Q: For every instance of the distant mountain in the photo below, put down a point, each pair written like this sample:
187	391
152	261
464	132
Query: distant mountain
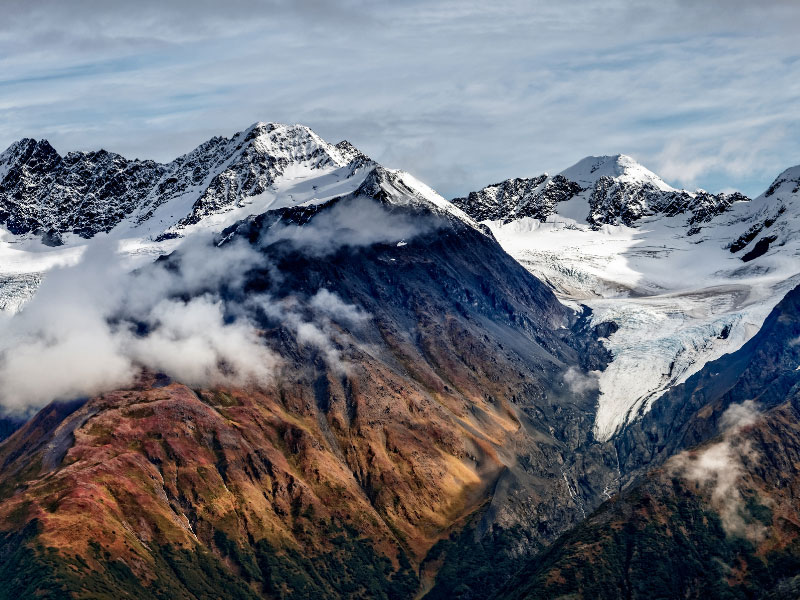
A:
90	192
598	190
681	277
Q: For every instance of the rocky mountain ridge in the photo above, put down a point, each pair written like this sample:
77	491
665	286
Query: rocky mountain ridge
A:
605	190
86	193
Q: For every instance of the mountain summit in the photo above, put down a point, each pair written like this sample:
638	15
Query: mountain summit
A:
620	167
85	193
598	190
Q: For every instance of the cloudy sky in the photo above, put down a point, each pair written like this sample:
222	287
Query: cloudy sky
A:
460	93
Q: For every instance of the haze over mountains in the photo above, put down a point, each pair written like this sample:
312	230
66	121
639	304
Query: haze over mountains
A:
274	368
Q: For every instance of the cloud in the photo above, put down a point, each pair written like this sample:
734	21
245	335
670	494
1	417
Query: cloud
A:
315	330
353	223
581	383
93	326
718	468
331	305
460	93
192	342
737	416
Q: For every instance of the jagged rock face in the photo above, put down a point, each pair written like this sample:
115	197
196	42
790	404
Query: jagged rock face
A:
614	202
616	190
781	196
453	387
259	157
91	192
84	193
536	197
496	201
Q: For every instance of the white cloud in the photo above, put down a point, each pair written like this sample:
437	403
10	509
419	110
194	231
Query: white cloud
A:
353	222
719	468
332	306
460	93
580	383
93	326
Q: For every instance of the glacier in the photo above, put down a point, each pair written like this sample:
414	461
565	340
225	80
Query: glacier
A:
679	291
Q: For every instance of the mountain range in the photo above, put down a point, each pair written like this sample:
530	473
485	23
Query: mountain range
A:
303	374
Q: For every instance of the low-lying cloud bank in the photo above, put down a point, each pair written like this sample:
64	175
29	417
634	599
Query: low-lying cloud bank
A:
581	383
94	326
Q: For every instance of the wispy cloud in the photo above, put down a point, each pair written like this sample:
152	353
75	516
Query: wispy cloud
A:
94	325
719	468
460	93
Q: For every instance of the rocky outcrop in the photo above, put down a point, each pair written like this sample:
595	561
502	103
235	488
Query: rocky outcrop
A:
82	193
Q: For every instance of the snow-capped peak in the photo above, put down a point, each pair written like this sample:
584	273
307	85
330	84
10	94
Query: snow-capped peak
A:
788	181
294	143
618	166
89	192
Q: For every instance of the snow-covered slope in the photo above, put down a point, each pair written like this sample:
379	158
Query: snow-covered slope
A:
685	277
51	206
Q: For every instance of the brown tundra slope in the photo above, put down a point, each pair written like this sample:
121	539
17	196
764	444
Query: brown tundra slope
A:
445	401
719	521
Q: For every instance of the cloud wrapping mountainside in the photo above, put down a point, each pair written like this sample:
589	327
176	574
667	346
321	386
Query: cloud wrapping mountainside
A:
94	325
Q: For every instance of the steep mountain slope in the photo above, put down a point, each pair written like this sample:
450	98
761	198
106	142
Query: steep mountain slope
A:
422	369
720	520
735	534
683	282
720	517
659	536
